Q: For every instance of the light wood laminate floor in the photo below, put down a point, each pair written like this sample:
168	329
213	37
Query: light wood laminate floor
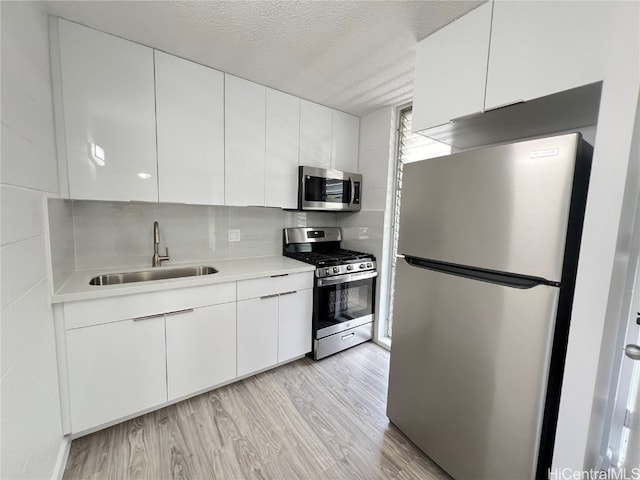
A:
304	420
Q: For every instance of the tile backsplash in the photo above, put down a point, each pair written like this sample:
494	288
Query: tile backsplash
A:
61	238
114	234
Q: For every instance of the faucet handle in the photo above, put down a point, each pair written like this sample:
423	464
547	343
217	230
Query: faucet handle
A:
165	257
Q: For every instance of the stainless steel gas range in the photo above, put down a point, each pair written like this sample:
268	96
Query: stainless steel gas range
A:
344	290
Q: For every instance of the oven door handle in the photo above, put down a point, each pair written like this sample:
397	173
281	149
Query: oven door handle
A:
349	277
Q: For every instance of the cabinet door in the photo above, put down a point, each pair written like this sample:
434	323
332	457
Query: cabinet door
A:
282	145
540	48
344	142
315	135
107	87
115	370
244	142
257	334
201	349
190	116
451	69
294	324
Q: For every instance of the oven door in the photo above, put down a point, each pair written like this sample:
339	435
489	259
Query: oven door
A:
343	302
322	189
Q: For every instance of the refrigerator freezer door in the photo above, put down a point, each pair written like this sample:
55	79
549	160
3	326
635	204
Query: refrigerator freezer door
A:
469	365
502	208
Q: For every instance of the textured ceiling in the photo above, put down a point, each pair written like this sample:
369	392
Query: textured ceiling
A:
356	56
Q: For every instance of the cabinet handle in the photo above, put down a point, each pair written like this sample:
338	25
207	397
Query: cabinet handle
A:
148	317
264	297
289	293
177	312
280	275
344	337
158	315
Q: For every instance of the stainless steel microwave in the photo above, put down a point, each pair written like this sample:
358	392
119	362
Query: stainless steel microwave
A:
321	189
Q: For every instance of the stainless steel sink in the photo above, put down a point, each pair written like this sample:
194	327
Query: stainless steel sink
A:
147	275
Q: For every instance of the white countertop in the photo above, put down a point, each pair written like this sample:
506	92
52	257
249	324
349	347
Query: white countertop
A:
229	270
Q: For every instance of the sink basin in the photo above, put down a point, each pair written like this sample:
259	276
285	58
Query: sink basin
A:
147	275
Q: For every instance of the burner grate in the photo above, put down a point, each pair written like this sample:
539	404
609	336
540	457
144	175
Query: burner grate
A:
330	258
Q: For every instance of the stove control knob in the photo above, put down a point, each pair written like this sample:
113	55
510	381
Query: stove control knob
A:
362	265
369	265
336	269
327	271
349	267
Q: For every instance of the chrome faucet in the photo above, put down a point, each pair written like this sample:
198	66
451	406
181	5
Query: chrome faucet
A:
158	259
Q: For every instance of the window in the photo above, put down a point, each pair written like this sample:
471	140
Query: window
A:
412	147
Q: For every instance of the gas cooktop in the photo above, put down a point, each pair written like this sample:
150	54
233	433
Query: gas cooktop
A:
321	247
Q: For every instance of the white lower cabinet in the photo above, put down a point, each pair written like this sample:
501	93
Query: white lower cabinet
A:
257	334
273	329
294	324
127	354
201	349
274	320
115	369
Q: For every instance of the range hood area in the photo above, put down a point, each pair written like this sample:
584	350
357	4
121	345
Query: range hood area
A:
570	109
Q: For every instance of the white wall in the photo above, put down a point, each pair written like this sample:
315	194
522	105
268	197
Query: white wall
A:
605	227
368	230
30	412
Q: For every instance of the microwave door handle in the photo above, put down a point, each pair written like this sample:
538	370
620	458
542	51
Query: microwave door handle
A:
353	191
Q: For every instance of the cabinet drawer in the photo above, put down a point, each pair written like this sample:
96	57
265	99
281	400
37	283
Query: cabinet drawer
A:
260	287
104	310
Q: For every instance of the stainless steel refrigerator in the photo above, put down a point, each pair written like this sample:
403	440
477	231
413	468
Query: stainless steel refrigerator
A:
488	248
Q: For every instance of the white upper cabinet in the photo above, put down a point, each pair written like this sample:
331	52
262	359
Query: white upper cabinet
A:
344	141
328	138
244	141
451	70
221	140
539	48
109	115
315	135
520	51
282	146
190	117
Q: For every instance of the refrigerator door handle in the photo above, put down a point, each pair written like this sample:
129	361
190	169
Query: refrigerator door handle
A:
480	274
